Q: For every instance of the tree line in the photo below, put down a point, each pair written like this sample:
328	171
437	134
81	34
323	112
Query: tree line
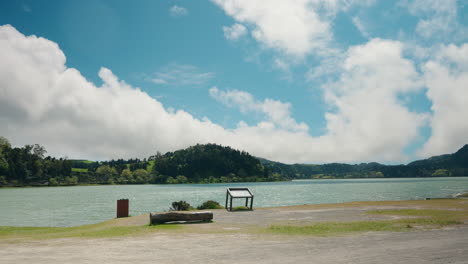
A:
28	165
208	163
211	163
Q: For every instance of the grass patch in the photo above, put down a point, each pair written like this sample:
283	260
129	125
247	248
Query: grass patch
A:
420	218
79	170
421	213
334	228
101	230
241	208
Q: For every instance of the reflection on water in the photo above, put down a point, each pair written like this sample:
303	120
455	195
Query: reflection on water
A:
69	206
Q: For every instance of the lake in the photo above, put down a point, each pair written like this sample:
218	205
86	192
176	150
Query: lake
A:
71	206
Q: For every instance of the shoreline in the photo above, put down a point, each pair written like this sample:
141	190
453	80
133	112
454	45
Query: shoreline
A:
175	184
417	203
415	231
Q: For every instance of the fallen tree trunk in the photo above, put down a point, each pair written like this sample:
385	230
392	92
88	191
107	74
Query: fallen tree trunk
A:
161	218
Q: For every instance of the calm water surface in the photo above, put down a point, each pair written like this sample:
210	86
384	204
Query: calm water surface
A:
70	206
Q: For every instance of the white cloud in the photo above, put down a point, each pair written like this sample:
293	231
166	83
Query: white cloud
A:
360	26
175	74
42	101
235	31
447	83
177	11
437	18
278	113
293	27
367	115
366	119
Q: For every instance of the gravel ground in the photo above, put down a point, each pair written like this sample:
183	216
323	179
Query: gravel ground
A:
448	245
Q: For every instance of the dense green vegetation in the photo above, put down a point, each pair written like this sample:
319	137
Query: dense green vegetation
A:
210	204
209	163
448	165
29	166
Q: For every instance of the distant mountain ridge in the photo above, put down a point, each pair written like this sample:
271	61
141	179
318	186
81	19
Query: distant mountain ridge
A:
458	159
455	164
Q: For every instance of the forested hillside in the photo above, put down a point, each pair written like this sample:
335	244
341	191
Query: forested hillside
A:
209	163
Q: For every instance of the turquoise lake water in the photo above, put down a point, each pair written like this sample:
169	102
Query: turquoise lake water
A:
71	206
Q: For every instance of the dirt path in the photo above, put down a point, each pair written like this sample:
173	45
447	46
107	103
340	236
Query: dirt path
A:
448	245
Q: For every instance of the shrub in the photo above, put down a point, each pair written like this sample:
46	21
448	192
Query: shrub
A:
210	205
180	206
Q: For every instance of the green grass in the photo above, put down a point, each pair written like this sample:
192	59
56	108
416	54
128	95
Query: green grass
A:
416	218
241	208
101	230
84	161
334	228
79	170
421	213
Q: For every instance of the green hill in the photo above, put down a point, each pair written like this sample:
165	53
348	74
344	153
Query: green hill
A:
208	163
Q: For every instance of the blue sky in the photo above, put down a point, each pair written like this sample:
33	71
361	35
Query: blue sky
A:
308	81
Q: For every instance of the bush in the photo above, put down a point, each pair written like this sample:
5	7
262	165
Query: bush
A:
210	205
180	206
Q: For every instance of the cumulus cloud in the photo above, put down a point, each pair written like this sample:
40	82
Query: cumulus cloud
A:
175	74
367	115
43	101
235	31
446	79
278	113
177	11
295	27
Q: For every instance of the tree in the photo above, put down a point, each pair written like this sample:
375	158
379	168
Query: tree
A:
53	182
71	180
126	177
140	175
39	151
171	180
5	146
107	173
181	179
4	143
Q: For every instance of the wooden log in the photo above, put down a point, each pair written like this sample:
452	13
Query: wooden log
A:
161	218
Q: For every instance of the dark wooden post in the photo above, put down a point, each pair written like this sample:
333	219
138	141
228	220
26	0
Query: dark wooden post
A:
230	206
251	203
122	208
227	196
